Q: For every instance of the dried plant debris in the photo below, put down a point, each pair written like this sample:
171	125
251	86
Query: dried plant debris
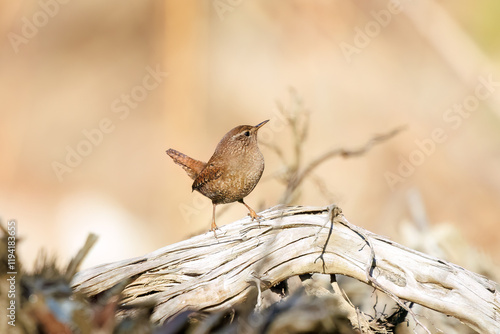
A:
45	302
315	307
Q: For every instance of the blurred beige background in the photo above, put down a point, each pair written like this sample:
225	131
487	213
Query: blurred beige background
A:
92	94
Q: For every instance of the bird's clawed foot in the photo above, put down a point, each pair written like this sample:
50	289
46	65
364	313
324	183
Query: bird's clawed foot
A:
252	212
253	215
214	227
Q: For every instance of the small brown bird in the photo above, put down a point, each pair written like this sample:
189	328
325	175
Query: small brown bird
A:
232	172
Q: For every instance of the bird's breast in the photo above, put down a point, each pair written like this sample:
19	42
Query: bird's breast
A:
239	176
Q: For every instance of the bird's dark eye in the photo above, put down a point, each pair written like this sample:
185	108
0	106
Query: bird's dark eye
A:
247	133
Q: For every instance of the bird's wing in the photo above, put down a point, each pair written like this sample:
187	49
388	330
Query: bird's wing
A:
192	166
209	173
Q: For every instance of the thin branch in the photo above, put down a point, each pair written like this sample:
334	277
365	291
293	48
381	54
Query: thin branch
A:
345	153
297	179
74	264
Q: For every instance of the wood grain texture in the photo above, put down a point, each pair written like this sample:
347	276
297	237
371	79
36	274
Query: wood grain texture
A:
208	274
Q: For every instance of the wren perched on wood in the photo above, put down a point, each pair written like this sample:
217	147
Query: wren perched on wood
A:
231	173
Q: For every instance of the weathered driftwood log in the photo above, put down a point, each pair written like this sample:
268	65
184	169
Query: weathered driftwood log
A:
209	274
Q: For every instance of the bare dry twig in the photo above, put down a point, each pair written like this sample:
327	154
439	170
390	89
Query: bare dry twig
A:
293	173
296	178
74	264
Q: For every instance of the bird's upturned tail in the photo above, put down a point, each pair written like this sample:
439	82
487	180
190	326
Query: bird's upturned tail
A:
192	166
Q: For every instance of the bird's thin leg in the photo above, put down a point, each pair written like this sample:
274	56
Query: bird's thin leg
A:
213	227
252	213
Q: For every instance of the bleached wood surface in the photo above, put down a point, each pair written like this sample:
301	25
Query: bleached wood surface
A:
204	273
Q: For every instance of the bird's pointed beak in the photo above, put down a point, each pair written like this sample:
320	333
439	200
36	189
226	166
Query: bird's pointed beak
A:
258	126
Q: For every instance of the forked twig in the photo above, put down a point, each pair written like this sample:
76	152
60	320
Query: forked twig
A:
296	177
299	176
